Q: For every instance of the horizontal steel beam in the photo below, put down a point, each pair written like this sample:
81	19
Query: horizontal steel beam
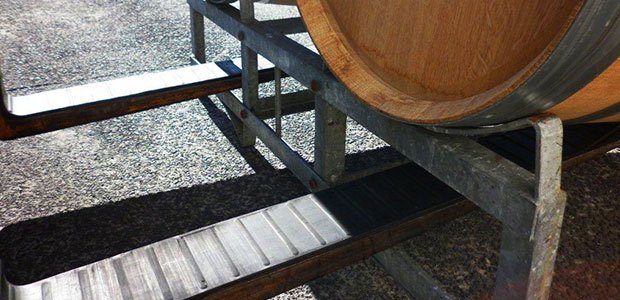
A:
356	175
460	162
411	276
291	103
286	26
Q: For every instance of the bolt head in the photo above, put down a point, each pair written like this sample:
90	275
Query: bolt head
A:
315	86
243	114
312	184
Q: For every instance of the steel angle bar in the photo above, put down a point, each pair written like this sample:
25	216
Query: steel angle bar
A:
249	71
277	77
291	103
286	26
527	254
495	184
482	130
530	206
279	147
355	175
197	29
330	140
4	286
414	279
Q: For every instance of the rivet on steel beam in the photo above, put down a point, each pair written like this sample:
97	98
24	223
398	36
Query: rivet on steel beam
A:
315	86
243	114
312	184
240	35
333	177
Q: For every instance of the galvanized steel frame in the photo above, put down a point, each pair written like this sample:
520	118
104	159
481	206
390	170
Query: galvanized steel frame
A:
530	206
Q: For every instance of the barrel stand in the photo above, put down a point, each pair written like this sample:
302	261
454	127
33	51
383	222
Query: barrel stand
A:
529	205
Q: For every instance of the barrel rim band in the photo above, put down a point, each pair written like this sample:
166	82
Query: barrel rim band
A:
591	44
599	115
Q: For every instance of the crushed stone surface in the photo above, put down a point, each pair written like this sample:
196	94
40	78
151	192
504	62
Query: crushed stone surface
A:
115	185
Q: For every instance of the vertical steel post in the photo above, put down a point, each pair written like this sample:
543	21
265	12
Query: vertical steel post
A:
197	27
4	95
3	284
249	72
329	140
527	253
277	76
531	207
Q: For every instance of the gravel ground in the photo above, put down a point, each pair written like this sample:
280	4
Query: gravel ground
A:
140	178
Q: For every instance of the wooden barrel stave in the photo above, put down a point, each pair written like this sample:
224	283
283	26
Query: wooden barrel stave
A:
604	90
571	70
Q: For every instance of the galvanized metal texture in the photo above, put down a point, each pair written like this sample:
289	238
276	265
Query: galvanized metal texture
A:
527	254
502	188
290	103
330	140
481	130
591	44
279	147
411	276
198	261
249	73
277	103
448	157
197	30
286	26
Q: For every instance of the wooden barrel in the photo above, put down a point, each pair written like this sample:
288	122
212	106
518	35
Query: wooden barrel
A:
473	62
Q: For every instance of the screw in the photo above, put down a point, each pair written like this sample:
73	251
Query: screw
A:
315	86
243	114
312	184
333	178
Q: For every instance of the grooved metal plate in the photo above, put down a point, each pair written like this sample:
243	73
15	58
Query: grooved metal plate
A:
127	87
199	260
236	249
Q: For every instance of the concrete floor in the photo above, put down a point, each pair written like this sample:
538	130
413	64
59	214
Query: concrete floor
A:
110	186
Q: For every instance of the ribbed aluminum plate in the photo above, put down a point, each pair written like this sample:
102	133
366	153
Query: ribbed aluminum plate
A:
200	260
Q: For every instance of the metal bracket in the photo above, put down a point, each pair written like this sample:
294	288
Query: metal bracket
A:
527	254
277	78
249	72
530	206
197	29
482	130
329	141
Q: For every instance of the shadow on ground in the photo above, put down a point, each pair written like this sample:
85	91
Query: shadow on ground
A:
39	248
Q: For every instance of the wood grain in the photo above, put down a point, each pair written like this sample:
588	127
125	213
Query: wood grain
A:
599	94
438	61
